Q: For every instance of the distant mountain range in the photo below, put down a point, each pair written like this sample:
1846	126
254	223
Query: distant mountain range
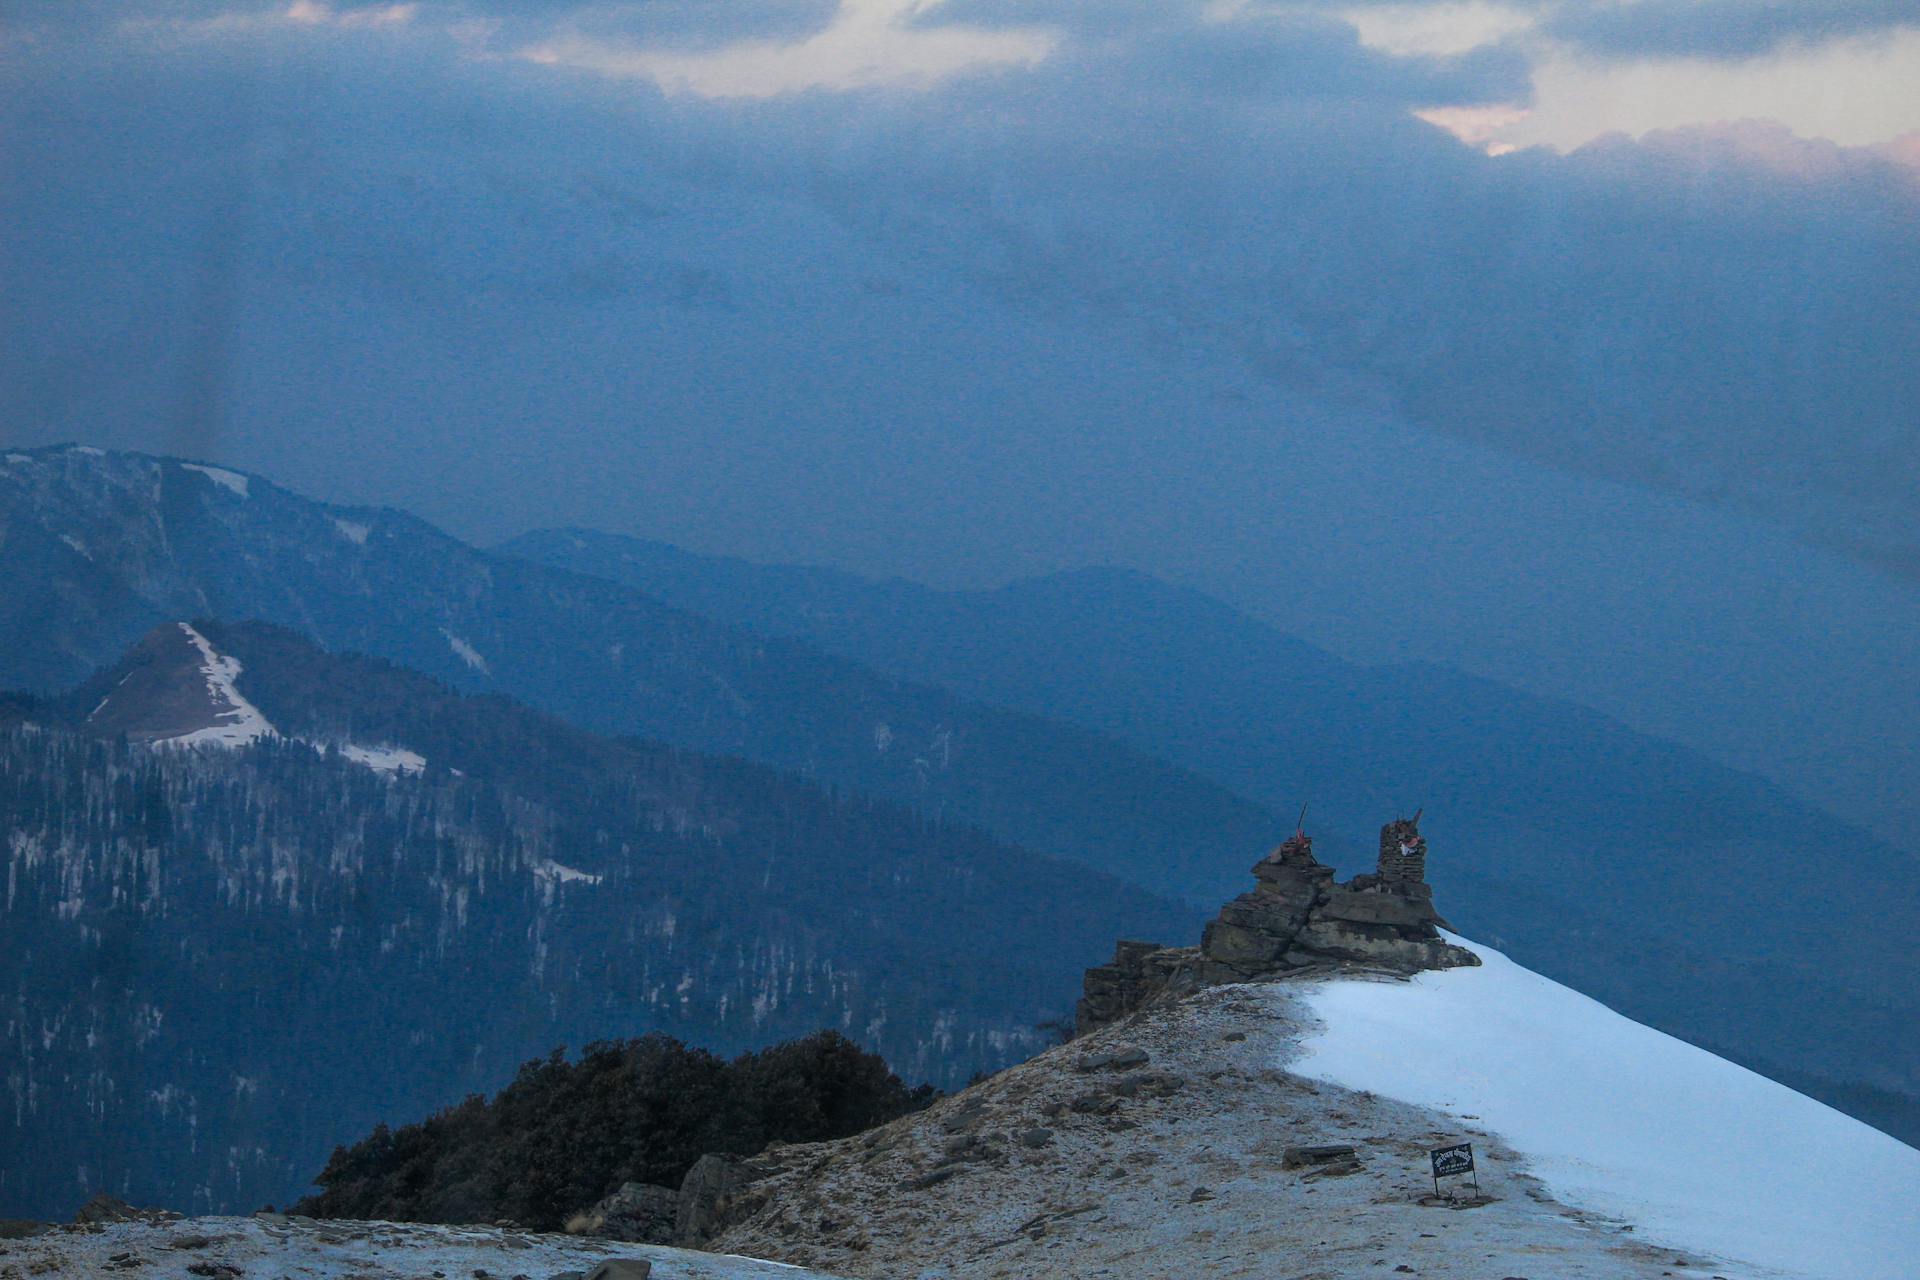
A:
1695	897
259	897
98	548
1141	730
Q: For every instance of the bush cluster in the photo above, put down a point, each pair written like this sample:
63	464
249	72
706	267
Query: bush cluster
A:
564	1134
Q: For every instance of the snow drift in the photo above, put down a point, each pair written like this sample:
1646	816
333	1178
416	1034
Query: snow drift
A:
1615	1117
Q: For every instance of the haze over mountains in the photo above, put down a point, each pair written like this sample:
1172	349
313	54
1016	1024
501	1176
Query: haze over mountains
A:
1640	871
102	547
1242	341
532	520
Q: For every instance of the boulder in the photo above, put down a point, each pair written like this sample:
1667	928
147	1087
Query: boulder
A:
622	1269
637	1213
705	1196
1327	1153
105	1208
1139	974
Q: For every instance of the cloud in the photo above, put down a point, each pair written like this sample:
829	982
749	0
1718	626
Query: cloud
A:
681	26
1718	313
1444	28
1243	52
1194	291
1721	29
865	44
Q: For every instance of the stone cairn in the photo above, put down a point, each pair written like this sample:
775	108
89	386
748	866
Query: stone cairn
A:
1296	917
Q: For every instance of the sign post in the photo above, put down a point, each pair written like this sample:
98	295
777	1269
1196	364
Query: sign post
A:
1451	1161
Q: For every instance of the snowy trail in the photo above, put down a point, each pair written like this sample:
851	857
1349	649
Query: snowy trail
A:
1623	1120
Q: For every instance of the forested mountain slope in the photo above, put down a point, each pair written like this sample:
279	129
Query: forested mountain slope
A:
219	961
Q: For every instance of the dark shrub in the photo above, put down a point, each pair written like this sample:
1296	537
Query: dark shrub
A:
564	1134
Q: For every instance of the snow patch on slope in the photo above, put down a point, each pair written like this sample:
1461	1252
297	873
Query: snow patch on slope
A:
240	722
221	476
386	759
1618	1118
551	870
468	654
353	531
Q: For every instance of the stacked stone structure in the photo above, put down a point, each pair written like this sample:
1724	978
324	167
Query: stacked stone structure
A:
1403	853
1295	917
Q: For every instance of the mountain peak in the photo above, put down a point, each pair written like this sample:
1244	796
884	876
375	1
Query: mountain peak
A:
176	688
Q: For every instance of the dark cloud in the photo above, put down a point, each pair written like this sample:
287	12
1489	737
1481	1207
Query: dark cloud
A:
1291	58
1721	29
1148	301
678	24
1294	54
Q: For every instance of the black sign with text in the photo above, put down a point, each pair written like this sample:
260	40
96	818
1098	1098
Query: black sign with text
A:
1451	1160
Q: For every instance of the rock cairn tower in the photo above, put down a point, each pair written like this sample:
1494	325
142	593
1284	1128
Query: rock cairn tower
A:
1403	853
1295	917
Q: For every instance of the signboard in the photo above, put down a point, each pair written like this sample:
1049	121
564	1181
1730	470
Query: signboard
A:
1449	1161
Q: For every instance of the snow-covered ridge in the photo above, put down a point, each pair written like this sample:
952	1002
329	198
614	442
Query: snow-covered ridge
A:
226	479
1617	1118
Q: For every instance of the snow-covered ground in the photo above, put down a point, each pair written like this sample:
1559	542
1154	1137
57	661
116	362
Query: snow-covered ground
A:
1620	1119
1064	1169
467	653
551	870
386	759
302	1249
237	721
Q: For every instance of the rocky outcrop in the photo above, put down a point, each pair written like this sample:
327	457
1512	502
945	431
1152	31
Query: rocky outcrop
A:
636	1212
706	1195
1295	917
1177	1145
1139	974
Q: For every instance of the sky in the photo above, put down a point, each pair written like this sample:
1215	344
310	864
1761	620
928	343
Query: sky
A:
1568	343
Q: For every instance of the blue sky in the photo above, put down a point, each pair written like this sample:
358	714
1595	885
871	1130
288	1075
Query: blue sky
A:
1568	343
